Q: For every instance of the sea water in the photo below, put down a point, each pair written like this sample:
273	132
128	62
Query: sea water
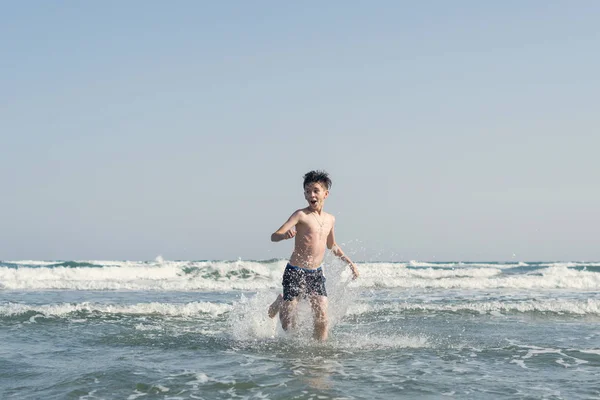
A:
200	330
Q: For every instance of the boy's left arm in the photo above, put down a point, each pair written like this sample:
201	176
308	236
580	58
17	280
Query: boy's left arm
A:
337	251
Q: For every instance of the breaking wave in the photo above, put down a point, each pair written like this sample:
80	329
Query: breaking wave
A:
258	275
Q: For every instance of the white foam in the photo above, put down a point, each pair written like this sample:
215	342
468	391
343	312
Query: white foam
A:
555	277
570	264
167	309
136	394
579	307
459	264
369	342
591	351
520	363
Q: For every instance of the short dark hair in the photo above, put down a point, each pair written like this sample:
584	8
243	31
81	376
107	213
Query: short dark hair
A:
319	176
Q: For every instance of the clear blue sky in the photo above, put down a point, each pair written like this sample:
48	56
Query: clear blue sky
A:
461	130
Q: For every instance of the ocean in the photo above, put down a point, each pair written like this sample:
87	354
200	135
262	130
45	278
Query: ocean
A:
199	330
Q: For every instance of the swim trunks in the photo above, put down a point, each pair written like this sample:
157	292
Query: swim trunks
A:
302	282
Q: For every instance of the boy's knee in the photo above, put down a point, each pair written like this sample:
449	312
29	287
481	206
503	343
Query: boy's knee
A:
319	304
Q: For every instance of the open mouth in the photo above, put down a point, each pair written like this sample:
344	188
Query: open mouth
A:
313	202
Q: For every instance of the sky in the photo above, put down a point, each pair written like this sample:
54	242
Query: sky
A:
461	130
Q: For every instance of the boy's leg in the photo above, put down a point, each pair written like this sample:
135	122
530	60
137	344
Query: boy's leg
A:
320	319
287	313
292	282
275	306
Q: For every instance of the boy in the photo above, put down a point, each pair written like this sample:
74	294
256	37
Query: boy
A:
303	275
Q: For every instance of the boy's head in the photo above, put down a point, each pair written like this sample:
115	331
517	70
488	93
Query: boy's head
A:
316	189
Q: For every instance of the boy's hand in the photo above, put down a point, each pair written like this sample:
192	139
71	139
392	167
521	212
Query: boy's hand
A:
289	234
355	273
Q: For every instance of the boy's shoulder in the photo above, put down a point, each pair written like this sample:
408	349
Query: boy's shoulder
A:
301	212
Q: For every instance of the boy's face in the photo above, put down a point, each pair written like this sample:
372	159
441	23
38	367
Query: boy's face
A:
315	193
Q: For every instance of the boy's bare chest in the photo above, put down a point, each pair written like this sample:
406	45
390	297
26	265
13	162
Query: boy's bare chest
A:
316	226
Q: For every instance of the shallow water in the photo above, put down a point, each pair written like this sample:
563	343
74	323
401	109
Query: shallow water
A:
185	330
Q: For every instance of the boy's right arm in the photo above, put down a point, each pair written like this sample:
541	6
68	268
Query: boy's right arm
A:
286	231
